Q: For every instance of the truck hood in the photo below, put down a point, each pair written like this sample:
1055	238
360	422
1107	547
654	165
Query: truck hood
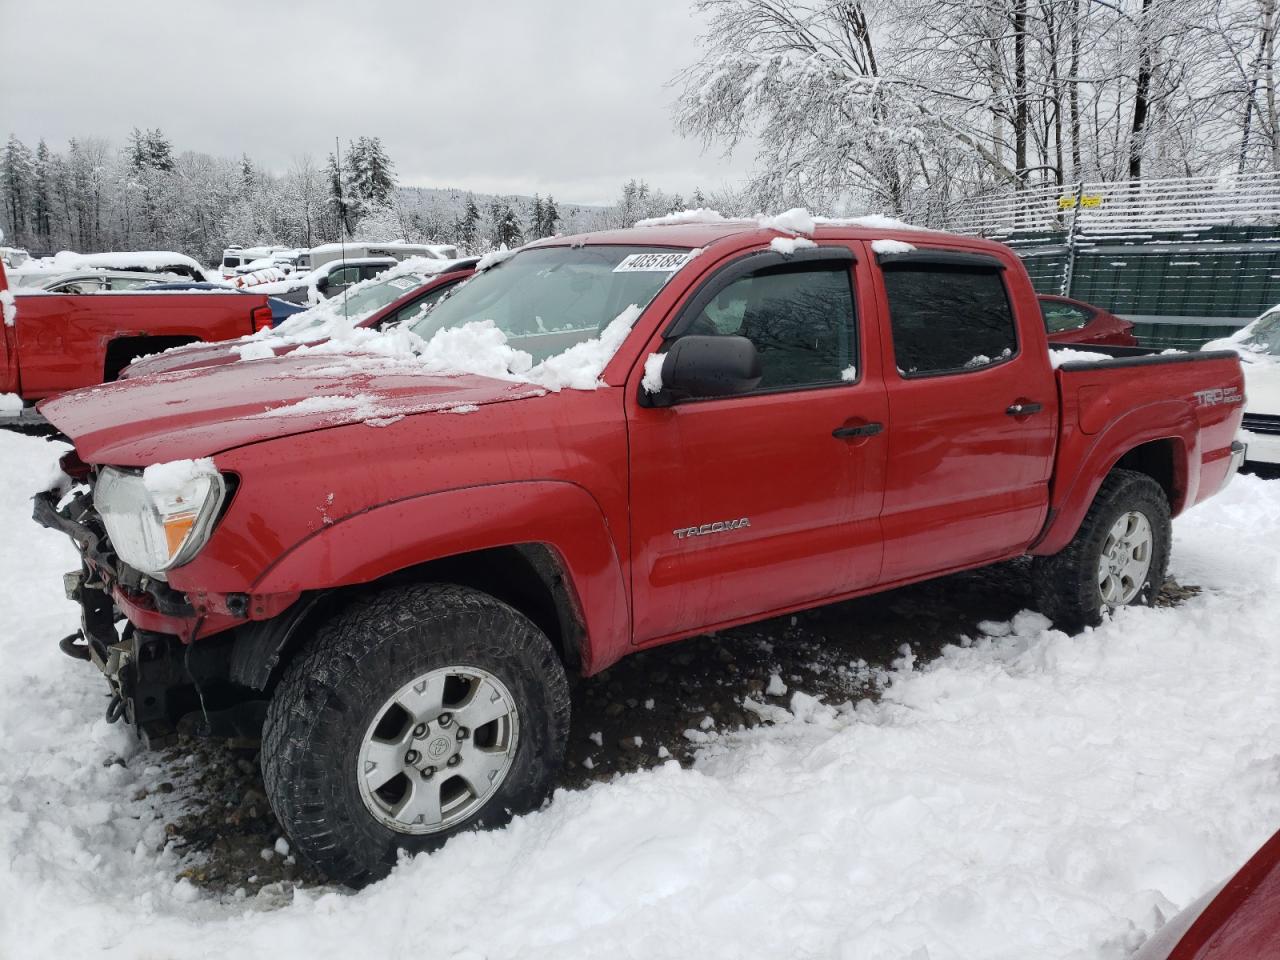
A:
200	412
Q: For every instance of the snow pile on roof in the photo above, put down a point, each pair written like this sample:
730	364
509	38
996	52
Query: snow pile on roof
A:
891	246
685	217
794	221
1059	355
789	245
872	221
10	307
797	220
67	261
1024	795
168	479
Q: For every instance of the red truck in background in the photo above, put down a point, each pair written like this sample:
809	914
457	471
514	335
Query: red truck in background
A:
639	436
51	342
1069	321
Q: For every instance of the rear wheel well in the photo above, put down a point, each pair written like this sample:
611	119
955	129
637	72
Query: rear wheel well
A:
124	350
529	577
1158	459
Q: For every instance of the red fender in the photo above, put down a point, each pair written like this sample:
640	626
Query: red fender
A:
1097	454
365	546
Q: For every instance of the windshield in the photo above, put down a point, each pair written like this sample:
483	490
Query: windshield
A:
1264	335
359	302
548	299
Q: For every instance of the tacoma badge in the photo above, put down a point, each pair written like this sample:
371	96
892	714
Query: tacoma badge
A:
720	526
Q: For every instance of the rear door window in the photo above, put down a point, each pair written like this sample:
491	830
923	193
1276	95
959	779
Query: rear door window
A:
948	319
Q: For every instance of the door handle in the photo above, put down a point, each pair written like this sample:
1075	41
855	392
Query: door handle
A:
861	430
1023	408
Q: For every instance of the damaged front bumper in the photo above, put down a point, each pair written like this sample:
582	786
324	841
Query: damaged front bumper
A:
148	662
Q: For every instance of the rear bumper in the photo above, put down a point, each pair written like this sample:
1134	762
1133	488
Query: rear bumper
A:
1263	447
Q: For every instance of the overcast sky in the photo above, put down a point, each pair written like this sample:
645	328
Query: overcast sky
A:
567	97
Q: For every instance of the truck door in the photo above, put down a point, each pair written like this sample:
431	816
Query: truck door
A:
972	415
747	504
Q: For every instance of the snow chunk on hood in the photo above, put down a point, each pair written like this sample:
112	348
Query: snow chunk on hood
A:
168	479
891	246
10	403
580	367
789	245
479	348
10	306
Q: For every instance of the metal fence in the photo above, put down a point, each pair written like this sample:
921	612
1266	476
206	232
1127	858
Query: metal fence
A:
1125	207
1186	260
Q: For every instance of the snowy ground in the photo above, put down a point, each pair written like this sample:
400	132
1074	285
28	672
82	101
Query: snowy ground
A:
1027	794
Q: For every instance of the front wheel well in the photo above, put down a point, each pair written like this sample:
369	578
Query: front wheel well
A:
529	577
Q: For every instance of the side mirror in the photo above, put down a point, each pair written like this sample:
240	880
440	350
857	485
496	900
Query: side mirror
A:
699	367
322	283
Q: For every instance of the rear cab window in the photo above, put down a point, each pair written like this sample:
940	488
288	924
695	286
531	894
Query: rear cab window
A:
1061	317
948	318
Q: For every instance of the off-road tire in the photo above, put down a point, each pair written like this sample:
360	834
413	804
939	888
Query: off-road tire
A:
330	692
1066	584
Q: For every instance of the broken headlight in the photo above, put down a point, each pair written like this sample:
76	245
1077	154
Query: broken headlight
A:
159	518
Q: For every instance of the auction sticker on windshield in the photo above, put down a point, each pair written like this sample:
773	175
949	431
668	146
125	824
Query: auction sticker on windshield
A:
652	263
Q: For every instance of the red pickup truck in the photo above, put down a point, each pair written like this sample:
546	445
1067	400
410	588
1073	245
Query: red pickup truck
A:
604	443
51	342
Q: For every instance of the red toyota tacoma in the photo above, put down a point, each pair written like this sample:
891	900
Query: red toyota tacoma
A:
51	342
601	444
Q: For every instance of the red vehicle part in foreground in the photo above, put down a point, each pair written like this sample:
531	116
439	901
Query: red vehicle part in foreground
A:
1074	321
61	341
1240	921
214	354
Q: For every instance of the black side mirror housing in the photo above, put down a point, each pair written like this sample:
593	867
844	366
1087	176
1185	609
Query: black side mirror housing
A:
699	367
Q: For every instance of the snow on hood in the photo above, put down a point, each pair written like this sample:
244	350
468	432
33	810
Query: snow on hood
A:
190	414
360	376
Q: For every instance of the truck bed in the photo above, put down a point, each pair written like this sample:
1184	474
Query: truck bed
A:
1179	409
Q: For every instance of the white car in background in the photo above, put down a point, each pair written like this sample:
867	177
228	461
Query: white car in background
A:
97	281
1259	347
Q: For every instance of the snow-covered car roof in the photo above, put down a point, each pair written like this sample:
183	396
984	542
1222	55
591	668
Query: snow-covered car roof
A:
54	280
148	261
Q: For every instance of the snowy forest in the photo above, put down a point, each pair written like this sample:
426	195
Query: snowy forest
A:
901	106
910	106
148	195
